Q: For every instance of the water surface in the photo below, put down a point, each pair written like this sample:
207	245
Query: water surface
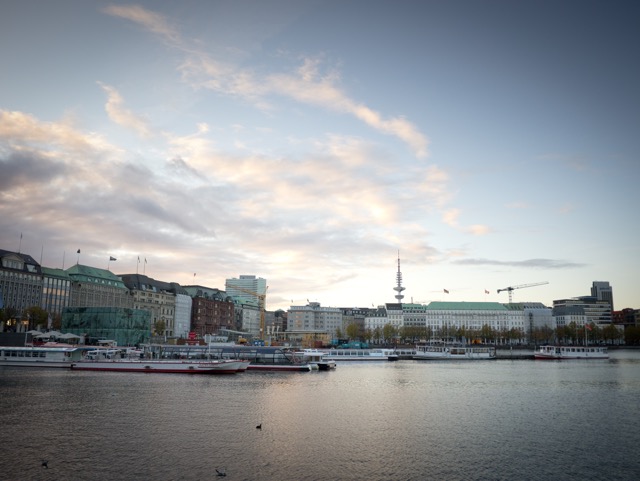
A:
404	420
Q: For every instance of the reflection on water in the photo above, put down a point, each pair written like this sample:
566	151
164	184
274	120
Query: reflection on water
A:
403	420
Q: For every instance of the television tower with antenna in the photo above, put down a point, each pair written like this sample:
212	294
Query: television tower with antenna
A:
399	287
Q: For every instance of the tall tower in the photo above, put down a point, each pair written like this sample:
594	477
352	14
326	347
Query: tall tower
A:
399	287
602	291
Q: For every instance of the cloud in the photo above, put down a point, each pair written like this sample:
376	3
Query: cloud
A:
306	85
528	263
27	168
122	116
450	217
478	229
152	21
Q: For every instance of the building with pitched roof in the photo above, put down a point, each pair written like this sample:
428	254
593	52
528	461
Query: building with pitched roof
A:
20	281
93	287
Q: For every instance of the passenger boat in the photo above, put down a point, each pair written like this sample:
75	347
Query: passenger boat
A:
317	361
28	356
261	358
162	366
571	352
434	351
360	355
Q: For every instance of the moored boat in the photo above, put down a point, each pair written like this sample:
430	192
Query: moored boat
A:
162	366
434	351
360	354
317	360
28	356
571	352
260	358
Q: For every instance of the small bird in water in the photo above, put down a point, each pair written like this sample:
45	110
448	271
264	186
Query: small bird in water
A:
45	463
221	473
259	426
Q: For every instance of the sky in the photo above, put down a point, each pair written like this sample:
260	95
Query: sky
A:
312	143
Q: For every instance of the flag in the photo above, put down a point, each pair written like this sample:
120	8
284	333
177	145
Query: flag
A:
486	291
138	259
446	291
112	259
78	251
145	260
588	326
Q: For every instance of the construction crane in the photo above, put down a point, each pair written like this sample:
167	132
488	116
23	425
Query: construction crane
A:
510	289
261	303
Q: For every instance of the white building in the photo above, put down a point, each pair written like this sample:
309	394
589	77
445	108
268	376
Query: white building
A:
314	318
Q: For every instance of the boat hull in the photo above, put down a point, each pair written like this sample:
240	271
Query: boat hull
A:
53	364
167	367
280	367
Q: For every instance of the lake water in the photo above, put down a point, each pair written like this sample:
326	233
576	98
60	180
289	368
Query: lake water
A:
405	420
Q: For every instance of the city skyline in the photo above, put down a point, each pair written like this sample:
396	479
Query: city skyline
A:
493	144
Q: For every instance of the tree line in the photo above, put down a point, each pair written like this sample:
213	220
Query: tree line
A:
569	334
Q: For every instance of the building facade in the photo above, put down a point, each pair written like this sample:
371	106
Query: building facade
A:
246	288
315	318
182	322
596	311
157	297
211	310
602	291
20	284
128	327
93	287
56	290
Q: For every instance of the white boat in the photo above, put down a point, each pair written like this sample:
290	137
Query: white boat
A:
28	356
260	358
571	352
360	355
442	351
317	360
163	366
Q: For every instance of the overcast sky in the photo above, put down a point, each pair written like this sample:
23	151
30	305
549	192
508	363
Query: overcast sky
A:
490	143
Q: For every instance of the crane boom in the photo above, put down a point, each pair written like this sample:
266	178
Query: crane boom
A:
510	289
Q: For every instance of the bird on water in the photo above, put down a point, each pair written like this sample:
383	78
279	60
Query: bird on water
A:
221	473
259	426
45	463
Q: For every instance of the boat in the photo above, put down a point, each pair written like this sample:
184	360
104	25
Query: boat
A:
42	356
571	352
162	366
360	354
437	350
260	358
317	361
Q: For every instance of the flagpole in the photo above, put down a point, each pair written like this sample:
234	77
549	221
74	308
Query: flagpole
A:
20	243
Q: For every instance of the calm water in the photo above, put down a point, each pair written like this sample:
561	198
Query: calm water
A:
407	420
